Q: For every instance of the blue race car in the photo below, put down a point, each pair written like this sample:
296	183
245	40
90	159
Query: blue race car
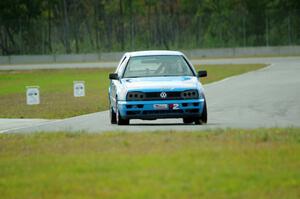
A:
150	85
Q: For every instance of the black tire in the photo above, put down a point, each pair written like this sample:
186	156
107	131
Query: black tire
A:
198	121
119	119
113	116
204	114
188	120
203	118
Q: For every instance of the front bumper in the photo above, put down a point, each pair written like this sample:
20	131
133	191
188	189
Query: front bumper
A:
149	110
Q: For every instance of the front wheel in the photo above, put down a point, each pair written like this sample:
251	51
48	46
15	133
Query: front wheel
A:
188	120
113	116
119	119
203	118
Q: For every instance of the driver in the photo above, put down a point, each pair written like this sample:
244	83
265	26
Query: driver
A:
168	67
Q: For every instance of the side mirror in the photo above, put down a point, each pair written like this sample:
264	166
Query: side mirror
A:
113	76
202	73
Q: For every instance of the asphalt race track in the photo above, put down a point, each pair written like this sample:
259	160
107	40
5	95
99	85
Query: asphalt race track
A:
269	97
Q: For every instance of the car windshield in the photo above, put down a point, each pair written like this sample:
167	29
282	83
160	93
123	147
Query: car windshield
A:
156	66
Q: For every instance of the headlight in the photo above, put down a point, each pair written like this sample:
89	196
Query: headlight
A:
190	94
135	96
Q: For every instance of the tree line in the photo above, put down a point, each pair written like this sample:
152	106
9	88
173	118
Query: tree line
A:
86	26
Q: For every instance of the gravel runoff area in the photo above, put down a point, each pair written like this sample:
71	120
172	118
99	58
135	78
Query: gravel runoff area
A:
264	98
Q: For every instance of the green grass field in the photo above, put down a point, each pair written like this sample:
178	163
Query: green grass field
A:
56	90
261	163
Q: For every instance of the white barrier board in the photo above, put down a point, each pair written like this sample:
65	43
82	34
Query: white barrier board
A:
79	88
32	95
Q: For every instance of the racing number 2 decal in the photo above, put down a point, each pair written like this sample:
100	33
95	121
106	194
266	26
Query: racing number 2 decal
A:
174	106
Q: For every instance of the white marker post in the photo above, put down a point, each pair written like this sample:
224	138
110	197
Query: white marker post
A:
32	95
79	88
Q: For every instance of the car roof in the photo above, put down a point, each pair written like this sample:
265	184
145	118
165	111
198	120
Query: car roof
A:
152	52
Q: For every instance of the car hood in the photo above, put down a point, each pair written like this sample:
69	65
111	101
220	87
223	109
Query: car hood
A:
160	83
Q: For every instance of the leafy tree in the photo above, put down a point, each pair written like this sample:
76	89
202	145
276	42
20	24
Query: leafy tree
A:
82	26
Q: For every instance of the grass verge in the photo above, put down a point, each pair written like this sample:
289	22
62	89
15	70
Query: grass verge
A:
56	90
262	163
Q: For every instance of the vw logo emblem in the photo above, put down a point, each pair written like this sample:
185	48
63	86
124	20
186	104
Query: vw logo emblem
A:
163	95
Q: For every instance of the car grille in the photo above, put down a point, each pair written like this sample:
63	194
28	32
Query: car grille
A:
162	95
156	96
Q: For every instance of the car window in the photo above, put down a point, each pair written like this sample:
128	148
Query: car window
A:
121	67
157	65
121	62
